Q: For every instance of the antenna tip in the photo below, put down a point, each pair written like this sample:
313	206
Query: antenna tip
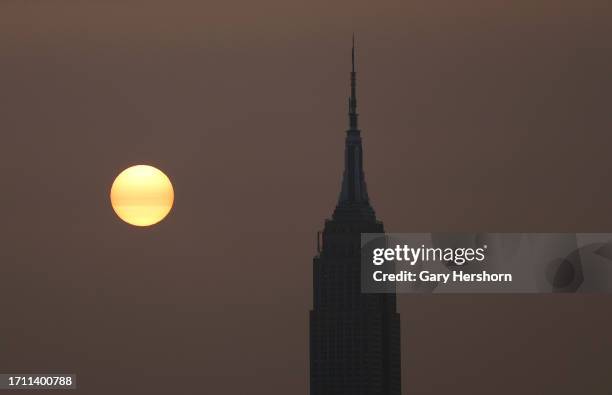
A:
353	54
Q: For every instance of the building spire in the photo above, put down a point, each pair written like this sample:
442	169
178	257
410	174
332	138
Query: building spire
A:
353	99
353	202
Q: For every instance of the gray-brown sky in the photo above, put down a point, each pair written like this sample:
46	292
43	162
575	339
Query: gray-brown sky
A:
477	115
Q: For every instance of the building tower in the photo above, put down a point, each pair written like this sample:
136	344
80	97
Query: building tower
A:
354	337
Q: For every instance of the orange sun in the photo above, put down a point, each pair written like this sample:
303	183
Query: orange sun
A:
142	195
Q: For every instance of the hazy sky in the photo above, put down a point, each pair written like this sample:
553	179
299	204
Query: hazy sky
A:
476	115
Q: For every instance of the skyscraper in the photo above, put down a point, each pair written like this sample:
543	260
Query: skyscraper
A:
354	337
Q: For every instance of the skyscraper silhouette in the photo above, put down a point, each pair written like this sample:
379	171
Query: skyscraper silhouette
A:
354	337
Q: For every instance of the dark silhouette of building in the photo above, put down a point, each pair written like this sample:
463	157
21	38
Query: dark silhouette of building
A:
354	337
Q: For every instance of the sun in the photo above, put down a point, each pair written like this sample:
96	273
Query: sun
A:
142	195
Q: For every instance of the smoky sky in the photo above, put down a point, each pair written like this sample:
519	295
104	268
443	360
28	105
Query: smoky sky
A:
476	116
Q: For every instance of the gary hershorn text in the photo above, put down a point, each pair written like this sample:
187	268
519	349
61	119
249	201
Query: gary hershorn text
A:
427	276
